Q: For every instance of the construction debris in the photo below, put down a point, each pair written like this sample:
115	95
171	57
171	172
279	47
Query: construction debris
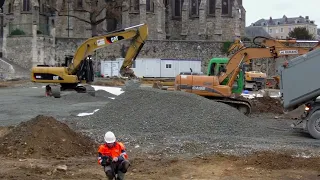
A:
266	105
45	137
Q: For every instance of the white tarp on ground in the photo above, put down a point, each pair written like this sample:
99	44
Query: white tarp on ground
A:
274	93
113	90
87	114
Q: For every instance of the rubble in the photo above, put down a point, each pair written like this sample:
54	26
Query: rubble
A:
266	105
46	137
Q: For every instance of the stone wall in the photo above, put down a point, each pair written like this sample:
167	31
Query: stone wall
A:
19	50
27	51
30	51
6	70
204	50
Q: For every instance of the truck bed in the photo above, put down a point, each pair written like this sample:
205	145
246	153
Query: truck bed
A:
300	80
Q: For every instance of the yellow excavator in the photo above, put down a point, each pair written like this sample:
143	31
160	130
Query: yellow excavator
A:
77	71
219	87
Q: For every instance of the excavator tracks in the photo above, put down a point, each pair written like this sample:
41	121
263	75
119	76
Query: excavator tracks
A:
241	104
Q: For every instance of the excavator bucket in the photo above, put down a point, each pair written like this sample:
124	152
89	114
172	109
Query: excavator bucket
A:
157	85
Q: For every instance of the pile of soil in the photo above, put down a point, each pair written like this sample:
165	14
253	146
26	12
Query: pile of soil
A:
46	137
278	161
266	105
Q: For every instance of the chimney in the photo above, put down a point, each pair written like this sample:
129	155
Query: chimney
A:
270	20
307	17
285	18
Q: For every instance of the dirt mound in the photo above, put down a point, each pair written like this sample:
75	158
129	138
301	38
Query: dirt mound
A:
276	161
266	105
45	137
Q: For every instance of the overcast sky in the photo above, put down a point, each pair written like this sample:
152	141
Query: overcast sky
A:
257	9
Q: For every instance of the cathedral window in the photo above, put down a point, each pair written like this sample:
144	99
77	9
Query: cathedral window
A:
26	5
194	7
10	8
149	6
79	3
134	5
177	8
226	7
211	7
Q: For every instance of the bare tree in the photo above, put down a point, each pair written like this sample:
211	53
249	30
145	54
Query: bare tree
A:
94	9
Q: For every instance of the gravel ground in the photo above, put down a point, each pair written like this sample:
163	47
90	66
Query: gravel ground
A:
182	123
170	123
25	102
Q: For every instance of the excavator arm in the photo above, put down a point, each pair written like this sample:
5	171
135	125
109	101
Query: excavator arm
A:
89	46
269	48
236	46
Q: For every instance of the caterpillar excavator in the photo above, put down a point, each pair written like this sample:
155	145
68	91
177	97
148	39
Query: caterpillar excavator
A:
77	72
219	86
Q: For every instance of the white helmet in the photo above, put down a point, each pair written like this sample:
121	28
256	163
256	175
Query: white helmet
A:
109	137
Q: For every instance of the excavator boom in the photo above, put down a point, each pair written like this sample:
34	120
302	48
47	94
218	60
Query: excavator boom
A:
89	46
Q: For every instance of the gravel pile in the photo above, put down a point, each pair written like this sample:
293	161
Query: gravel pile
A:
171	121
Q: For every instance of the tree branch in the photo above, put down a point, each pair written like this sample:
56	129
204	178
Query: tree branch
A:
100	20
75	17
100	10
82	10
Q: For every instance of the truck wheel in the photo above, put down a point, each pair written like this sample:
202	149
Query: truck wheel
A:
313	125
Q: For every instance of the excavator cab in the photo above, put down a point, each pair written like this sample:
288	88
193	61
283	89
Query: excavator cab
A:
218	65
67	60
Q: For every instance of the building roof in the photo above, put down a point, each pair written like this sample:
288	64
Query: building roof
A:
283	20
253	31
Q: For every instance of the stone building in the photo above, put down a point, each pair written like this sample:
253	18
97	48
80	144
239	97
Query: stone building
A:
280	27
219	20
20	15
188	19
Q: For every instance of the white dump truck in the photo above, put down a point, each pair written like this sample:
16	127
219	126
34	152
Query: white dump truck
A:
300	85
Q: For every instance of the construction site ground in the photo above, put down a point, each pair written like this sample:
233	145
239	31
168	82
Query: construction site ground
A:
39	149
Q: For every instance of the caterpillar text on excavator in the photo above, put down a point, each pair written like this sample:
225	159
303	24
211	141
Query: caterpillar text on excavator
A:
77	72
219	86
